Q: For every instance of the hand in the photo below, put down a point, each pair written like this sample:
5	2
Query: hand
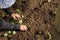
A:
23	28
15	16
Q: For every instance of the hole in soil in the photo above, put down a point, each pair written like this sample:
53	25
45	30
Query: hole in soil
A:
45	21
52	14
37	32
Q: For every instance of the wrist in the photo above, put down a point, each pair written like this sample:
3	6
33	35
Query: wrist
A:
17	27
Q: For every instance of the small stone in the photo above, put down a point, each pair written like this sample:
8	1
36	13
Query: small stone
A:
22	16
49	0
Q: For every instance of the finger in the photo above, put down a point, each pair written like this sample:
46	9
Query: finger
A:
25	28
18	17
15	18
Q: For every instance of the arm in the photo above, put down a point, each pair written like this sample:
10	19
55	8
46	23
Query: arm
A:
8	11
8	26
12	13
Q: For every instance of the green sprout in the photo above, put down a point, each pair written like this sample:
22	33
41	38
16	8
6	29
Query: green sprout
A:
18	11
14	32
21	21
5	34
9	31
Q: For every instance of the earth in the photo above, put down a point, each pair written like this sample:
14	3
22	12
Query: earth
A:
38	15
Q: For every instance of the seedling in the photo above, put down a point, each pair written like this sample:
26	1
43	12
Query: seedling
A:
14	32
17	10
9	32
21	21
5	34
22	16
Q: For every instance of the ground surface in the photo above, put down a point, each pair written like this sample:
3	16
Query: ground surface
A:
39	18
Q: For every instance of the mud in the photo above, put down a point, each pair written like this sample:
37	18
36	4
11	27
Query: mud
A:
39	18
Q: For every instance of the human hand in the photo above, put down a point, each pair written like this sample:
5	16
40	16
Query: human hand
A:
23	27
16	16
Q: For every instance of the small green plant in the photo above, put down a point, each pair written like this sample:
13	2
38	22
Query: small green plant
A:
5	34
9	32
14	32
18	11
21	21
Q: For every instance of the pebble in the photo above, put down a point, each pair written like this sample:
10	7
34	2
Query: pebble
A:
49	0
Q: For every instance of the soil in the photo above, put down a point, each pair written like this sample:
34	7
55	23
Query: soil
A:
39	18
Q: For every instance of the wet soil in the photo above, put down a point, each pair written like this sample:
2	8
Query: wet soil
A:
39	18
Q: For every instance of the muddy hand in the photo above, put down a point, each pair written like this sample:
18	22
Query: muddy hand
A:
23	28
16	16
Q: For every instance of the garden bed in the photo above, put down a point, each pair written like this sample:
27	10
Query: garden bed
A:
39	17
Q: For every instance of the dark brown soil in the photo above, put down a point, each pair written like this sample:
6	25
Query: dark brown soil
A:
39	18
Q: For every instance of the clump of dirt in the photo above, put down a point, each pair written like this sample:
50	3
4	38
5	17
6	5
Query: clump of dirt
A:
39	18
